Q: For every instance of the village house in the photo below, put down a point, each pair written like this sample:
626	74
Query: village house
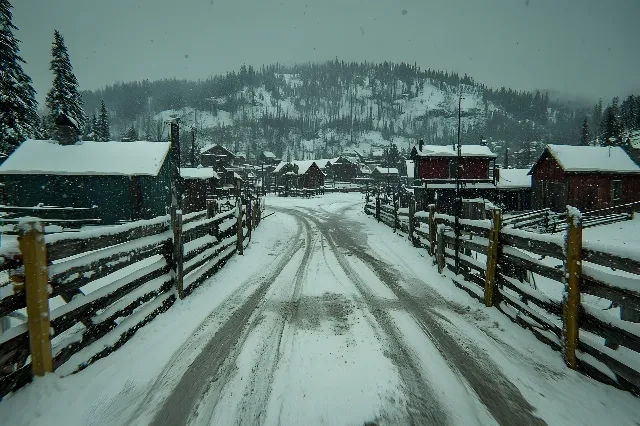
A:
586	177
198	185
343	169
386	176
125	180
309	174
267	158
435	168
216	156
514	189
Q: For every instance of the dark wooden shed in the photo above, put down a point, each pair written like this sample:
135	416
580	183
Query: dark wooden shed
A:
125	180
198	184
586	177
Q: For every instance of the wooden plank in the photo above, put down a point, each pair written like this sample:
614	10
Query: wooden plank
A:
101	328
613	334
205	275
87	309
530	294
611	261
517	258
64	279
598	288
12	303
15	380
213	252
194	217
60	246
523	308
544	248
618	367
33	249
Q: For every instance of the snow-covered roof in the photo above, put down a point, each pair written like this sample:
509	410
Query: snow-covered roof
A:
87	158
322	163
213	145
410	169
449	151
268	154
303	166
387	170
514	178
593	159
377	153
198	173
280	166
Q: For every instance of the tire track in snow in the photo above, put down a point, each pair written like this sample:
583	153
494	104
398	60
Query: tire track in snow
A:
422	407
205	370
501	397
253	405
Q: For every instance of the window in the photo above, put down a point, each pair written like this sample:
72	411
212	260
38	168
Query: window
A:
616	190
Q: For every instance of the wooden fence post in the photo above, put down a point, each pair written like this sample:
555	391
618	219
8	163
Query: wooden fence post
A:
378	207
254	206
571	298
412	217
34	258
493	251
249	217
211	208
432	229
396	223
240	230
178	251
440	249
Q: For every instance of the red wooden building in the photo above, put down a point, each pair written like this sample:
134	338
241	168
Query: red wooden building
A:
586	177
435	168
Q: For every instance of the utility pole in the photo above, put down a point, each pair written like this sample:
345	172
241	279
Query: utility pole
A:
458	201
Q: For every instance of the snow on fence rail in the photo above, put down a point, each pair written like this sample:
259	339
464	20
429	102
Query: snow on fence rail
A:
584	269
134	264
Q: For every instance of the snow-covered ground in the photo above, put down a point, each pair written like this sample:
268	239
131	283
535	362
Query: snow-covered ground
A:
329	318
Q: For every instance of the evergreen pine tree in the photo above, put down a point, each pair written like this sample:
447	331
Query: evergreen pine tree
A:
132	134
596	119
64	97
584	136
611	126
18	106
102	131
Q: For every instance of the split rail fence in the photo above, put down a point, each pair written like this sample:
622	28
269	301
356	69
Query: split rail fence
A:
144	267
495	263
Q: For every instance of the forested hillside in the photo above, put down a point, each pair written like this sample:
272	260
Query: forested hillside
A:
317	110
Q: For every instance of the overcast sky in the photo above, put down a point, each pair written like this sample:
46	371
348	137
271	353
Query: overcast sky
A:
587	47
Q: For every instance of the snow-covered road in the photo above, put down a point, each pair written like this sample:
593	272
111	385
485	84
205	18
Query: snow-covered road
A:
330	318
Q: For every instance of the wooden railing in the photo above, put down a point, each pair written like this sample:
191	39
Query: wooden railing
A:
496	263
136	263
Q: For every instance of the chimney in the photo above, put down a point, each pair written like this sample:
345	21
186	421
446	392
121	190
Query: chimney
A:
420	144
66	130
497	174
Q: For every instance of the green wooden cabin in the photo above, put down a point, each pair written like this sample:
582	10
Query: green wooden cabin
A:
125	180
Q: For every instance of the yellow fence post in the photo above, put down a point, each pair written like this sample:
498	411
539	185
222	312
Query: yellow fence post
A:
571	298
34	258
493	252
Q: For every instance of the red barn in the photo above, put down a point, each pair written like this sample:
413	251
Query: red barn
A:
435	167
586	177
